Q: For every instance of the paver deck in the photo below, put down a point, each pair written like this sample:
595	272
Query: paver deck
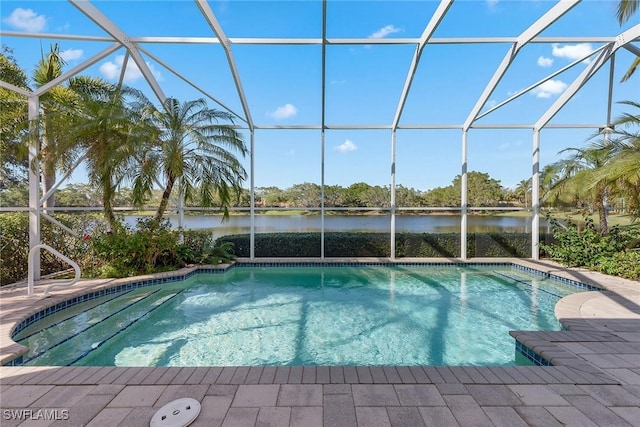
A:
594	380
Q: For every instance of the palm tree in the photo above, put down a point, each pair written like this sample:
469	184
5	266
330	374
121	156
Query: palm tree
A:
100	125
192	151
624	167
626	9
13	120
523	189
579	179
48	69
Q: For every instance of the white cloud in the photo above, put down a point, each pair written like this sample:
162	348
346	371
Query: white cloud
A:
545	62
71	54
346	146
571	51
337	82
549	89
111	70
492	3
384	32
284	112
26	20
491	103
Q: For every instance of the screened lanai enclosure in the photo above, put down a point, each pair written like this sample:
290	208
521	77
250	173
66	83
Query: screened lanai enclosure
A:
335	99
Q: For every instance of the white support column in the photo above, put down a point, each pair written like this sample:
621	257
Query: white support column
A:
34	184
393	194
463	198
323	97
322	194
535	197
252	199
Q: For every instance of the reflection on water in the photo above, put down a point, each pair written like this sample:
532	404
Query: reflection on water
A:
364	223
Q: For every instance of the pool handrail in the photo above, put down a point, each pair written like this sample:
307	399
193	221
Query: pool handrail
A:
30	279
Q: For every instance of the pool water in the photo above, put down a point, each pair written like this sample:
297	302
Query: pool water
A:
373	315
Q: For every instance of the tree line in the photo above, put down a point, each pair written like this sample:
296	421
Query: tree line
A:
484	191
124	140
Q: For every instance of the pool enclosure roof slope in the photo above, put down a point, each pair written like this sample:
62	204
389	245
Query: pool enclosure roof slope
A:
242	54
323	29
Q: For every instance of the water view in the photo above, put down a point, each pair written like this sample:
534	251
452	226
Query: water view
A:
435	223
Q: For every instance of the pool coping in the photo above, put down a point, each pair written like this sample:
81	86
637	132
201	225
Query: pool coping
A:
542	347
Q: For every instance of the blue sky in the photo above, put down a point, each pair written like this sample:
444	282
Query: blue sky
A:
363	82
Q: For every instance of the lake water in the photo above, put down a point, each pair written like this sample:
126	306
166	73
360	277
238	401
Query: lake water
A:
433	223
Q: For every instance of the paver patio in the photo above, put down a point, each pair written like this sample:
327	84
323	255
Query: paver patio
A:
595	380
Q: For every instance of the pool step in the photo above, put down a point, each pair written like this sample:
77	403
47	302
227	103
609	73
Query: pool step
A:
75	344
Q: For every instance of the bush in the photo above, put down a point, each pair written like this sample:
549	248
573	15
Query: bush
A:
125	252
612	253
150	248
421	245
14	246
585	248
624	264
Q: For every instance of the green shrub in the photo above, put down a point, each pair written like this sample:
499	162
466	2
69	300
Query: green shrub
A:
585	247
612	253
624	264
144	249
14	246
351	244
148	248
127	251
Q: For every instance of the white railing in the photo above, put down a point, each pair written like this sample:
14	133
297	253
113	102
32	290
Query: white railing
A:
30	279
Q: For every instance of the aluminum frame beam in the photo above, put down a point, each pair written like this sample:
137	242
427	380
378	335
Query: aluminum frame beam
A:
77	69
539	82
527	35
16	89
190	83
35	207
622	39
431	27
323	101
309	41
211	19
114	31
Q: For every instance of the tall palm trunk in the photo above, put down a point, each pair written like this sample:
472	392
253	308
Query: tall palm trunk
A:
165	199
48	167
108	192
602	211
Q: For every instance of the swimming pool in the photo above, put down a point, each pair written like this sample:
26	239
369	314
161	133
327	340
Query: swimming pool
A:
306	315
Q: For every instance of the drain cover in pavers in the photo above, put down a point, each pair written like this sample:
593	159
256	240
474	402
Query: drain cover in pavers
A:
177	413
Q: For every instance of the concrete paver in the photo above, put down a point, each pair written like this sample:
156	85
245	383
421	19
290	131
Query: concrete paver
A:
405	416
137	395
375	395
306	416
504	416
438	416
372	416
273	417
256	396
338	410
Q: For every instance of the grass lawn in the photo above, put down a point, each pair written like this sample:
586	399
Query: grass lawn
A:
577	217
